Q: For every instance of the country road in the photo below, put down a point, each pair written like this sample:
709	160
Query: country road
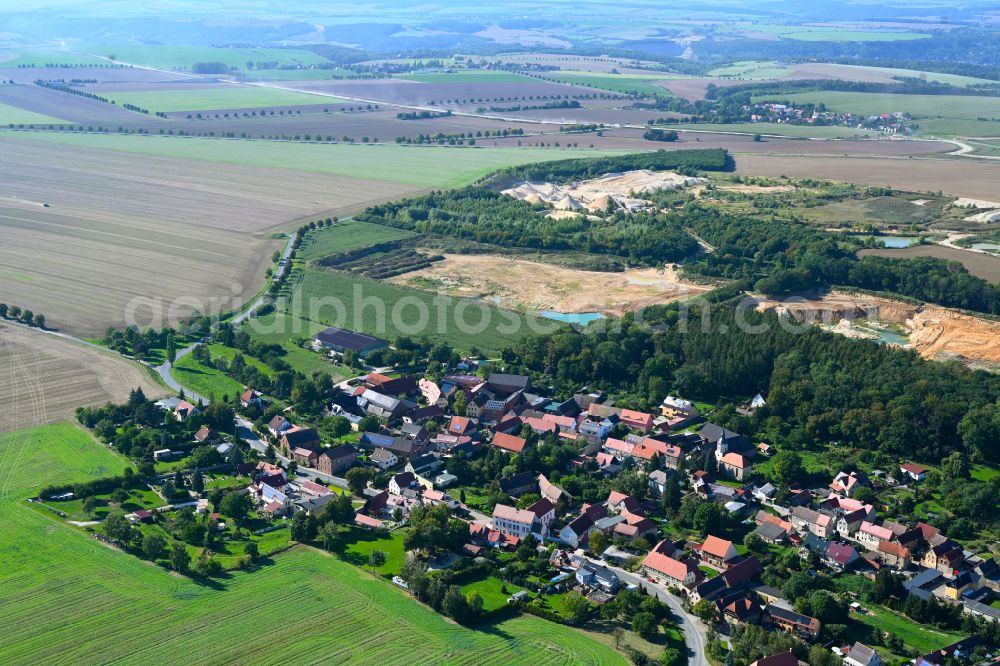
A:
164	369
694	630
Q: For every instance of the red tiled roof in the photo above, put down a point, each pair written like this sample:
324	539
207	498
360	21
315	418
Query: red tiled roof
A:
507	442
666	565
715	546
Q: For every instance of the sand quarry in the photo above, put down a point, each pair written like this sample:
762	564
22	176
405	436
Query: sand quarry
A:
933	331
530	285
612	191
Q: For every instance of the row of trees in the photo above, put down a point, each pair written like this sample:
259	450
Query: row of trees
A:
23	315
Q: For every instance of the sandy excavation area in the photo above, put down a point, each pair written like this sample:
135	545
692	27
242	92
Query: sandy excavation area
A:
933	331
44	378
530	285
614	190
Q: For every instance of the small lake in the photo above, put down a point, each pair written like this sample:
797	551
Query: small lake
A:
580	318
898	241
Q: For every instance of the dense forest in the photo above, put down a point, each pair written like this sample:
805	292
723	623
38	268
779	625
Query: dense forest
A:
483	216
712	159
820	387
782	258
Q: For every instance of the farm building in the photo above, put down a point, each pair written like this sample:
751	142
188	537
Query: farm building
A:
341	340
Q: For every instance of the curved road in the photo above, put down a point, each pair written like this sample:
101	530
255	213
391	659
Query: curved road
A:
694	630
164	369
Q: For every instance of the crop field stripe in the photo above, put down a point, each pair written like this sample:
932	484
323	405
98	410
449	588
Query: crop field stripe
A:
426	166
210	99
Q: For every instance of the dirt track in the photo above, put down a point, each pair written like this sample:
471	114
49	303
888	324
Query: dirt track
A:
520	284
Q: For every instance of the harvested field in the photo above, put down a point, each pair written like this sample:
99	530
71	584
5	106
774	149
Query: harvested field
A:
529	285
983	265
694	89
401	91
12	115
419	166
120	226
29	75
975	179
216	98
876	74
70	108
933	331
46	377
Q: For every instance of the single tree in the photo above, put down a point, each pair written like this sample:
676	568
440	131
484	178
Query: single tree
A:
376	559
179	557
154	546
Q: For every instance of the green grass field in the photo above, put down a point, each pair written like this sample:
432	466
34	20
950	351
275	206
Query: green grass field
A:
185	57
991	148
210	99
919	637
752	70
425	166
18	116
778	129
826	34
491	589
67	598
466	76
327	298
210	382
296	74
938	114
205	381
347	235
614	82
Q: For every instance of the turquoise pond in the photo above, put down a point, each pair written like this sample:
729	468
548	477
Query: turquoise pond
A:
581	318
898	241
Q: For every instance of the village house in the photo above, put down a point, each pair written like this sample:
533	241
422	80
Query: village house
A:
185	410
677	408
669	571
848	483
385	407
862	655
519	484
299	438
512	521
913	472
945	557
781	659
806	520
801	625
840	557
597	576
738	608
552	492
894	555
206	435
304	457
251	398
400	482
336	459
384	459
717	553
870	535
508	443
545	514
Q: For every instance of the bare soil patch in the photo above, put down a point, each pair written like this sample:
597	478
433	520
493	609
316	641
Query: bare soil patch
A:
966	178
45	378
529	285
933	331
983	265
